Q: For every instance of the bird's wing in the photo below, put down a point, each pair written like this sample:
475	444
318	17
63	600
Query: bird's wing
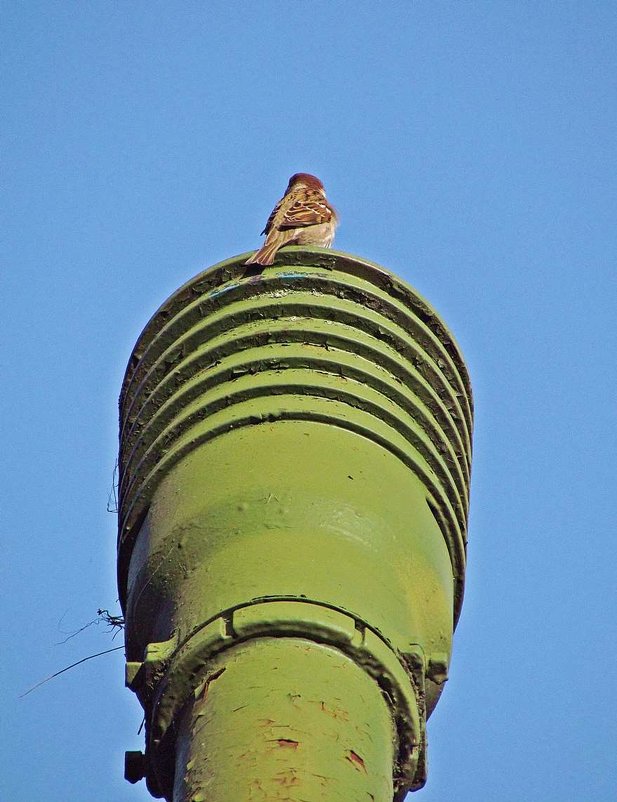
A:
308	211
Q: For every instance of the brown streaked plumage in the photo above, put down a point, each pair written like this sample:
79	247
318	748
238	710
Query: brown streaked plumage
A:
303	216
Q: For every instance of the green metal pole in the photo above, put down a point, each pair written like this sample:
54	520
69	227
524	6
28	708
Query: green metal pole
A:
276	726
295	456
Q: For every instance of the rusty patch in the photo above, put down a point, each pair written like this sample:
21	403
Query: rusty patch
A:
287	743
356	761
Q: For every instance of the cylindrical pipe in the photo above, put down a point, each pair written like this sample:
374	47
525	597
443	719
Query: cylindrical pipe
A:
285	718
294	464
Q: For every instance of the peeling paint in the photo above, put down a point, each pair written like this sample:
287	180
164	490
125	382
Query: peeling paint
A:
335	712
288	779
356	761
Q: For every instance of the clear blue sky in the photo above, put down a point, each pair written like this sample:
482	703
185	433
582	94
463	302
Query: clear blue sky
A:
471	148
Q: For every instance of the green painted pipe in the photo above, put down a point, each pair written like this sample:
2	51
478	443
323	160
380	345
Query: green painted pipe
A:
294	476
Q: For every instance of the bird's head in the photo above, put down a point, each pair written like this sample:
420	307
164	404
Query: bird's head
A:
304	180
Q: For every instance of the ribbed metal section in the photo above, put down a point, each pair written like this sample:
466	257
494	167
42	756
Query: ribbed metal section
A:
324	337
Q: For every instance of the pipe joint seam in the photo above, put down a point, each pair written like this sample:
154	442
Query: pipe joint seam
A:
172	672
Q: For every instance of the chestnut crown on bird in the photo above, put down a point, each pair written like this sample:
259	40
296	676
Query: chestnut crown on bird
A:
303	216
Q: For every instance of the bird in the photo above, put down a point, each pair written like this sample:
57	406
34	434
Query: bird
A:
302	216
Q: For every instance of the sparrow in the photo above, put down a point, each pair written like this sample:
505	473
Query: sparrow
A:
302	216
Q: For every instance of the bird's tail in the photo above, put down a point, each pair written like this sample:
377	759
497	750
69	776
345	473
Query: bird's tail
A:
265	255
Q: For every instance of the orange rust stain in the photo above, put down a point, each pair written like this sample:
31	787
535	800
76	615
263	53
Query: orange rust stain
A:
287	743
356	761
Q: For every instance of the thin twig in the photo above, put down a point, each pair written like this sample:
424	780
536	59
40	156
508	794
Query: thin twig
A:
81	629
68	668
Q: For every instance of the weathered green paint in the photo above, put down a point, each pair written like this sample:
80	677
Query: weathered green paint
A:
295	456
286	719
